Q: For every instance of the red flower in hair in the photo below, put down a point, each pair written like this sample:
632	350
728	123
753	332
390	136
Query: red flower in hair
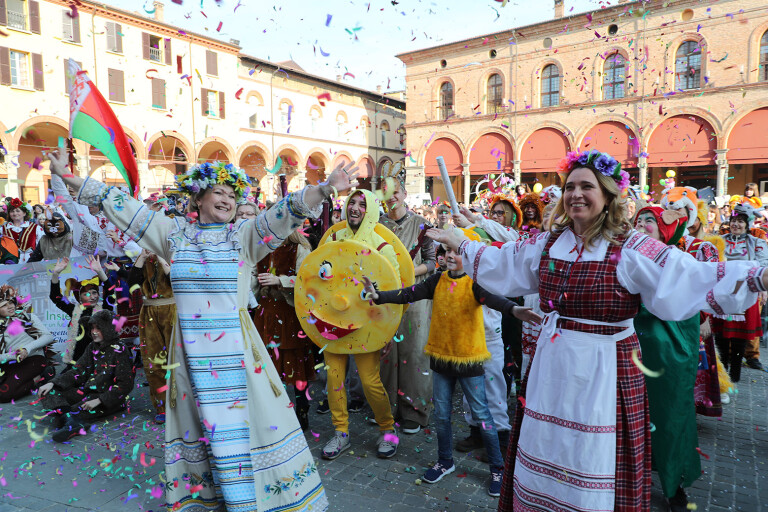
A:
16	202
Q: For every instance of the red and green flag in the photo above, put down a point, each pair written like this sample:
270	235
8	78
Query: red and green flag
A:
92	120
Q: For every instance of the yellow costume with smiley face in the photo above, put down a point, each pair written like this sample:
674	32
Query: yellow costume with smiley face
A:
329	295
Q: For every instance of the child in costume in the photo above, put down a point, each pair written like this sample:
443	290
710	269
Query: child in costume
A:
98	384
672	350
457	350
19	227
23	339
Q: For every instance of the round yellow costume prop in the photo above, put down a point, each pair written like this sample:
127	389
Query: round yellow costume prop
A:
407	275
330	303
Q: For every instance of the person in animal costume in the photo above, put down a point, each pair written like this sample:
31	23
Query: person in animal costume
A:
408	388
695	242
533	209
671	351
57	241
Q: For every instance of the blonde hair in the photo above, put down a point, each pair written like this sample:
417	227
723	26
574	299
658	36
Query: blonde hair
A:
612	221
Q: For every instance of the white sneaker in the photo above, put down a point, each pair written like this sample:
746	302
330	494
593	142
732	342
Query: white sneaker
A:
387	444
725	398
336	446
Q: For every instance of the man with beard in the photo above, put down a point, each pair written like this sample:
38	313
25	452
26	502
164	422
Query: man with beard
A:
97	386
405	369
57	241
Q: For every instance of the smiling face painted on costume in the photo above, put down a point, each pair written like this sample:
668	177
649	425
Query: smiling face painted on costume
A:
647	223
216	205
330	303
55	227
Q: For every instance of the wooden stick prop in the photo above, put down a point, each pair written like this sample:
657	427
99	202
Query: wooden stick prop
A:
448	186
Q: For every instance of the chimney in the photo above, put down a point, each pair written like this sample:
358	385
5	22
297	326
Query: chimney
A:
159	10
559	9
378	89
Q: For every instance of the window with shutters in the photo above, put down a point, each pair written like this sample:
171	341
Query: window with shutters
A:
67	26
212	63
158	93
117	86
213	104
20	75
253	121
384	130
114	37
155	49
17	14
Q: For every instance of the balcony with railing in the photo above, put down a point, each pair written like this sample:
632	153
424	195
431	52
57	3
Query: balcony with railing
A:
155	54
17	20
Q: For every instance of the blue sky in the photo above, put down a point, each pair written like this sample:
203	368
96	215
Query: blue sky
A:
360	37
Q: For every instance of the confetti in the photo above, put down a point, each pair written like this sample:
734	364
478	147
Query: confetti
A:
643	368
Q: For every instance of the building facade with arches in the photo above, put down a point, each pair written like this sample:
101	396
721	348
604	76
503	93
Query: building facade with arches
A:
661	86
182	98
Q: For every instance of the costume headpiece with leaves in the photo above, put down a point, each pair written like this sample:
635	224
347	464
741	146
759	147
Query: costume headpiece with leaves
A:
15	202
203	176
593	159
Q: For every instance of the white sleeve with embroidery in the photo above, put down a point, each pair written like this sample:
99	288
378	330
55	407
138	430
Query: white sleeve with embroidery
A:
511	270
262	235
80	217
497	231
674	286
147	228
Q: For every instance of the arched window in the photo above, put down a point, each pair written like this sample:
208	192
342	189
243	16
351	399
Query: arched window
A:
445	105
764	57
341	123
286	110
384	129
314	119
614	77
688	66
401	132
550	86
495	94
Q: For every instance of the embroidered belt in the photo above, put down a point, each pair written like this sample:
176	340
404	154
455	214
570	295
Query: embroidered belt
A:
165	301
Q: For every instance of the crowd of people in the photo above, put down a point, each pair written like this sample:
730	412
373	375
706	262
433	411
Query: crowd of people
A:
588	312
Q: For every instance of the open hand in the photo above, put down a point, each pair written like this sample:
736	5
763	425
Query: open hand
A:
111	265
527	315
94	263
474	218
343	177
59	161
450	237
60	265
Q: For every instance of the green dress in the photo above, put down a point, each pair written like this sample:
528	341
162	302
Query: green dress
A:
674	348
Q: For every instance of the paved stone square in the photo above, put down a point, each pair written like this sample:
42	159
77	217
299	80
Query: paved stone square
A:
105	470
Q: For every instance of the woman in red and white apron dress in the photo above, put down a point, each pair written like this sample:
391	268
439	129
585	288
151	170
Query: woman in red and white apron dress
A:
582	429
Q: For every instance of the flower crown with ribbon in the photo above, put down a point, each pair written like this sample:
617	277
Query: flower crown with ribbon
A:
206	175
603	163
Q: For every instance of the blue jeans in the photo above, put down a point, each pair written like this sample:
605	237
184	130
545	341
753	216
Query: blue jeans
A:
474	391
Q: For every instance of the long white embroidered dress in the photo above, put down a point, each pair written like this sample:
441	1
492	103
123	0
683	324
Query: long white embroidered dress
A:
568	455
232	439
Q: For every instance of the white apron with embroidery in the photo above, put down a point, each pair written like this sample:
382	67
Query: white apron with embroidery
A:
566	455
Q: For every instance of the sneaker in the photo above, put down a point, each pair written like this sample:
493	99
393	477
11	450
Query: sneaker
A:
160	418
495	488
371	420
336	446
356	406
754	363
323	407
387	444
410	427
725	398
68	431
438	471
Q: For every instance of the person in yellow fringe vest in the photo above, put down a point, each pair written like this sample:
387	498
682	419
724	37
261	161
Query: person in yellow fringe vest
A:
457	350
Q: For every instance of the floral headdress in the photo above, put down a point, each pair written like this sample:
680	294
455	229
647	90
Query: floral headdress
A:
206	175
603	163
15	202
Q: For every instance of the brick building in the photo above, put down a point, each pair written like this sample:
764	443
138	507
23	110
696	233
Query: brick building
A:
660	85
181	98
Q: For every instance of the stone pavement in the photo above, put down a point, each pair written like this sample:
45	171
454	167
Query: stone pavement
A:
118	464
